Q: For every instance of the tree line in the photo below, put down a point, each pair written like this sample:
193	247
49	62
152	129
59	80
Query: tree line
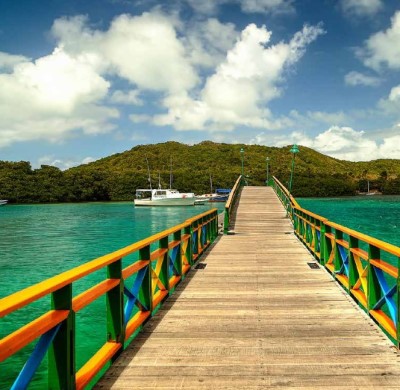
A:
191	167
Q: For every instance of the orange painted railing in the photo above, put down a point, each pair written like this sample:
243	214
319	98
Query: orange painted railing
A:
154	275
367	268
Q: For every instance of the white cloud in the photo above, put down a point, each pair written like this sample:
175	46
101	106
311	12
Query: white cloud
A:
383	47
205	6
57	95
395	94
237	93
140	118
391	104
143	49
266	6
330	118
130	97
62	164
65	92
361	7
146	50
346	143
52	97
207	42
247	6
357	78
8	61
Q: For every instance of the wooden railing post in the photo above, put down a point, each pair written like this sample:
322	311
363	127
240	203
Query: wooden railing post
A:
374	290
178	260
61	354
164	272
189	249
115	305
146	292
322	244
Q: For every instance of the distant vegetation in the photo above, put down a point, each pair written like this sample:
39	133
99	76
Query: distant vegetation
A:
118	176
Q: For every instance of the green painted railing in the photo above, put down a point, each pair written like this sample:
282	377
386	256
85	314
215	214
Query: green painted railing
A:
153	277
367	268
231	203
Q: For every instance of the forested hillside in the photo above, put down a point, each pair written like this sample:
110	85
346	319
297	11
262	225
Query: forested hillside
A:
118	176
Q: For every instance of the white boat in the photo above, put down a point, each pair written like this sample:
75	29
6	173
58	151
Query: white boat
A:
3	202
160	197
163	197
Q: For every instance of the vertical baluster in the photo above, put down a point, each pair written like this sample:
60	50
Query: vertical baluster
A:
189	248
327	245
178	260
374	289
322	244
164	272
337	261
146	291
61	354
226	220
115	306
194	240
214	226
353	271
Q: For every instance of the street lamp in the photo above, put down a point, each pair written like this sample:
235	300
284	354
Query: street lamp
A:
294	150
267	159
242	156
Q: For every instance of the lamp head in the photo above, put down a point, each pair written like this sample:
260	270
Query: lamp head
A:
294	149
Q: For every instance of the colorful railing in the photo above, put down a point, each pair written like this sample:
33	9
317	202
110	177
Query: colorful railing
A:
231	202
153	275
367	268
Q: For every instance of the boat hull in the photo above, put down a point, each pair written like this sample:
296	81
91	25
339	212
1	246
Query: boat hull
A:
167	202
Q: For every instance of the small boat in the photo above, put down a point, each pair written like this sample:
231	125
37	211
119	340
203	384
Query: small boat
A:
161	197
220	195
3	202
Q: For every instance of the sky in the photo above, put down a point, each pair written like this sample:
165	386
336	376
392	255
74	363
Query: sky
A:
84	79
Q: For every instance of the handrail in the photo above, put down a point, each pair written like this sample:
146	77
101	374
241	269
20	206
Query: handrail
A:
230	203
360	263
286	192
156	275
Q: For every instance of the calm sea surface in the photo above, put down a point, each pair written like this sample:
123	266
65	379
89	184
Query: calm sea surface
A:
377	215
40	241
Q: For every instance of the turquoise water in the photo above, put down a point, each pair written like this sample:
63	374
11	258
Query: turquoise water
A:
377	216
40	241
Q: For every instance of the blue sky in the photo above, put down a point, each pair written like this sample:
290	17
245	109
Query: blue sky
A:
80	80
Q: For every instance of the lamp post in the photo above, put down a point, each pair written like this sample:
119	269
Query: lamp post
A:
294	150
267	159
242	157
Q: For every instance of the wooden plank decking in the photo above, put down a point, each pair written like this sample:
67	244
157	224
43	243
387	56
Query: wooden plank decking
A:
258	317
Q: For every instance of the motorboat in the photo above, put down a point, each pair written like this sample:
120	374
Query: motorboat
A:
3	202
220	195
163	197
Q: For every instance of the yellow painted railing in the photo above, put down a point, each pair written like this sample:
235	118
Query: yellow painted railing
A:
367	268
153	275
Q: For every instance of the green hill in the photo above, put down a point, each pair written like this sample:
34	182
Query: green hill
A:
118	176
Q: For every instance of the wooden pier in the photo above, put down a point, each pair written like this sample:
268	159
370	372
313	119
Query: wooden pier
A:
258	317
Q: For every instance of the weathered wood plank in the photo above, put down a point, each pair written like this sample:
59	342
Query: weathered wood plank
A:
258	317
